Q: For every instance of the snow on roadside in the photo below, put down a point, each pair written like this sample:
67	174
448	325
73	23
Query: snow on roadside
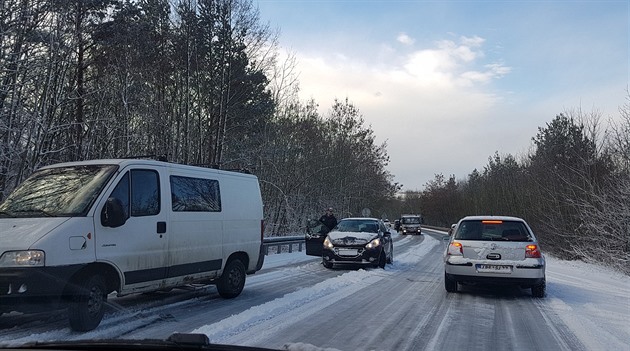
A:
593	301
262	321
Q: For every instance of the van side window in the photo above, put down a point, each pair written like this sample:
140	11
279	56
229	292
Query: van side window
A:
145	193
195	194
121	192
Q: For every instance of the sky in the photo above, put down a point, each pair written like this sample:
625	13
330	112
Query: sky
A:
446	84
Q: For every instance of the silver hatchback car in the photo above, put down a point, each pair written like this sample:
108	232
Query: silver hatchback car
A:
494	250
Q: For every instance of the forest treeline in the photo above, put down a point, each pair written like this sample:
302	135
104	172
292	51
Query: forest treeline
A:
202	82
573	188
193	81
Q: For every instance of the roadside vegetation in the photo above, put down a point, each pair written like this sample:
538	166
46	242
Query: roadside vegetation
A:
203	82
195	82
573	188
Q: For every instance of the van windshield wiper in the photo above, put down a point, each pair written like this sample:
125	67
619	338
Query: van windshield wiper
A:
37	211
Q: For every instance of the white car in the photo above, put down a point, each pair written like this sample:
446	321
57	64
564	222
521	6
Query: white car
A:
494	250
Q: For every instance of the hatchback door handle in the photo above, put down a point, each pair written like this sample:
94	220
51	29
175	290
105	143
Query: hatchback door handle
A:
161	227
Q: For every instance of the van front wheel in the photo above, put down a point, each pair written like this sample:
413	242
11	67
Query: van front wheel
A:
87	305
232	280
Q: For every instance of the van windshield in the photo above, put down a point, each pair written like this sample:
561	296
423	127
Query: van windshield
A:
63	191
411	220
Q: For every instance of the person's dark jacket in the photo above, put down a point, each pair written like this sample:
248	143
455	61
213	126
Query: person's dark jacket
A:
329	221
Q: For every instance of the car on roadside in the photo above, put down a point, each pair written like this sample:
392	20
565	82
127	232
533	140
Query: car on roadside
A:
494	250
357	242
387	223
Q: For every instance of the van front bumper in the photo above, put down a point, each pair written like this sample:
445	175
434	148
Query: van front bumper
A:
411	230
31	288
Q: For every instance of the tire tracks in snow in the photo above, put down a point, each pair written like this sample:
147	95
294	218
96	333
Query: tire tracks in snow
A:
264	322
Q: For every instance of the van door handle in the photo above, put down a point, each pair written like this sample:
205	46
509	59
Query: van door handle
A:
161	227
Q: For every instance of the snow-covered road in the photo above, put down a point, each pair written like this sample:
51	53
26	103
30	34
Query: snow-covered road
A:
294	299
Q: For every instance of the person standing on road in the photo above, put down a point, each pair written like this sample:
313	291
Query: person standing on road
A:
328	219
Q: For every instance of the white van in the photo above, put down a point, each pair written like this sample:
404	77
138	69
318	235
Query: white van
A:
74	232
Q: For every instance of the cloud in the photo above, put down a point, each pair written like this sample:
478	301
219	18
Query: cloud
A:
403	38
427	102
472	41
447	64
493	71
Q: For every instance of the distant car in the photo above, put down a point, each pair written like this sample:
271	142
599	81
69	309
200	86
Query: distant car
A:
494	250
411	224
387	223
358	241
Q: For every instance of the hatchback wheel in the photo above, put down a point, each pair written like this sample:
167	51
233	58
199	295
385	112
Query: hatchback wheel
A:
450	284
382	260
539	290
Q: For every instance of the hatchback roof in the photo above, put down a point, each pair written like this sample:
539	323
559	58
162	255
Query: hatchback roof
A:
498	218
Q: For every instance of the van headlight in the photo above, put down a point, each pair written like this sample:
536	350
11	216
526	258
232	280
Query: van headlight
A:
374	243
29	258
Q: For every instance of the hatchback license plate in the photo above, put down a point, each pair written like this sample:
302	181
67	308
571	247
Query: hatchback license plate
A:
348	252
490	268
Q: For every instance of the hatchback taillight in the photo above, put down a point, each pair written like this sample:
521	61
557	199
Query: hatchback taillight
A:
455	249
532	251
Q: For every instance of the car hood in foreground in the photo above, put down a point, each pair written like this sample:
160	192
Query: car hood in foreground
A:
351	238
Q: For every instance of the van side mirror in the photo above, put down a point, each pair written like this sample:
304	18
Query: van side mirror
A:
113	214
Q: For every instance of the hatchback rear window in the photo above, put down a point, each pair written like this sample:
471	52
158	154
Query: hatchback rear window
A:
494	230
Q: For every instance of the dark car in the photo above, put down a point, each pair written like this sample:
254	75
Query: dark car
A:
357	241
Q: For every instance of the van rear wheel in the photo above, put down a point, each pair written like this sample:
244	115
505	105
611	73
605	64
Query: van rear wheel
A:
232	280
87	305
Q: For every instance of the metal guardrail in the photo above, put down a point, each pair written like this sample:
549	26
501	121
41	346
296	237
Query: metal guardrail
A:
290	242
279	242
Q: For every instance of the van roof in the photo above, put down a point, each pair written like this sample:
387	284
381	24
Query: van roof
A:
124	162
